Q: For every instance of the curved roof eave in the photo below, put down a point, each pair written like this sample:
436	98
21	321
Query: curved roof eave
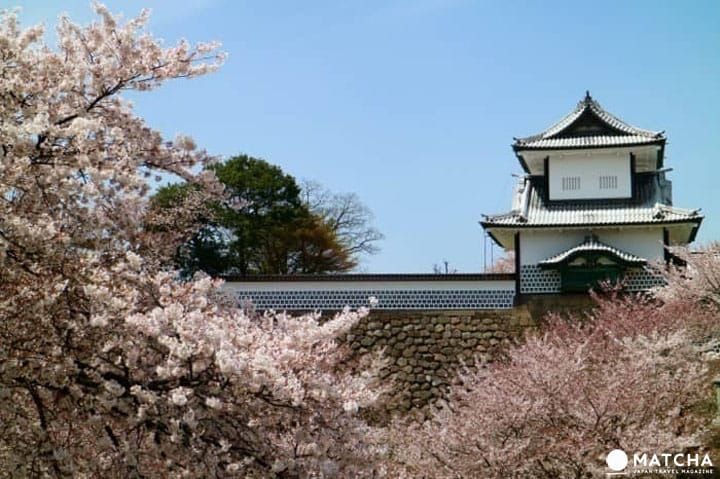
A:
486	224
520	147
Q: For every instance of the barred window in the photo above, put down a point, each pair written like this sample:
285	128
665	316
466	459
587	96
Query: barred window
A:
608	182
571	183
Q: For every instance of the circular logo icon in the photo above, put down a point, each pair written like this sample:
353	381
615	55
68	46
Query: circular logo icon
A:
617	460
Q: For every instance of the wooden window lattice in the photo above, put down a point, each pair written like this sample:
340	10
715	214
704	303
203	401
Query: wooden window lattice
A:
608	182
570	183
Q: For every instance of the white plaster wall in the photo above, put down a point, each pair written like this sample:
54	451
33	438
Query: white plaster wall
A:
491	285
537	245
645	156
589	167
644	242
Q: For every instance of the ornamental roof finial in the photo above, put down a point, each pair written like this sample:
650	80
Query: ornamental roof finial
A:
588	98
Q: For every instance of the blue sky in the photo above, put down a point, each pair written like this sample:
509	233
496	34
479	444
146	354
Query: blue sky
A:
413	104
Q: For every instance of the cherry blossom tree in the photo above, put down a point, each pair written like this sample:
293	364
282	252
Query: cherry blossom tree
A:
504	264
110	366
630	376
695	276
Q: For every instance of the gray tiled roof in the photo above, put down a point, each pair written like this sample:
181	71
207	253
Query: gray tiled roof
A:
617	132
591	244
588	141
646	207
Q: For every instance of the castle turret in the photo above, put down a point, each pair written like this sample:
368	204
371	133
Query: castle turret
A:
594	204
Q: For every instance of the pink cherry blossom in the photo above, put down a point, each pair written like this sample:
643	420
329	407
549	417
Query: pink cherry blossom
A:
632	375
112	366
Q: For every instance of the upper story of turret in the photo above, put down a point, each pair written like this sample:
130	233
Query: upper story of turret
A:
590	154
592	171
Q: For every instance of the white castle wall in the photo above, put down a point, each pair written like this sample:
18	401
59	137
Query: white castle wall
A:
588	168
440	293
537	245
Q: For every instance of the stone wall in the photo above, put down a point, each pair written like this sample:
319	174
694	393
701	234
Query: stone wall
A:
425	349
539	305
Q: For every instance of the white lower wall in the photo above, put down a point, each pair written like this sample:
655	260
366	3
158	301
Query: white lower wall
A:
489	285
334	295
646	243
537	245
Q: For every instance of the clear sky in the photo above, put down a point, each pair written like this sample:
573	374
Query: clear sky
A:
413	104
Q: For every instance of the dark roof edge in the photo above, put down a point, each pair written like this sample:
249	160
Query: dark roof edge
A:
694	232
522	161
494	238
696	220
519	147
373	277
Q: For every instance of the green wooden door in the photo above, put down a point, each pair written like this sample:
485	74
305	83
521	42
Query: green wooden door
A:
582	279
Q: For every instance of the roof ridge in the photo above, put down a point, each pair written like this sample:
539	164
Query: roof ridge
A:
502	216
631	129
588	103
677	210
